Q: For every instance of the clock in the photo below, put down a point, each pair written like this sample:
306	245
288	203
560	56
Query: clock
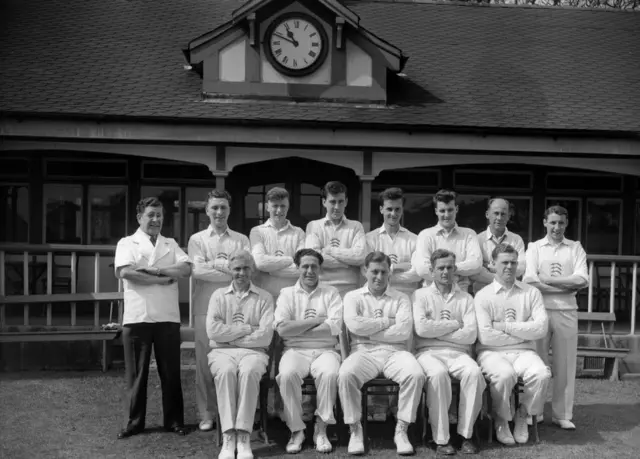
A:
296	44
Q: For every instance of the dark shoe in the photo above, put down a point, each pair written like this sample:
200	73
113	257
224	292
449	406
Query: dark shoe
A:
468	447
446	450
126	433
180	430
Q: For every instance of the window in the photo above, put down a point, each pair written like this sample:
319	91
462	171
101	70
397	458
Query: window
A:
175	170
170	199
574	207
72	167
197	219
471	211
255	205
563	181
604	228
14	208
14	167
418	212
310	205
504	180
107	213
63	213
520	217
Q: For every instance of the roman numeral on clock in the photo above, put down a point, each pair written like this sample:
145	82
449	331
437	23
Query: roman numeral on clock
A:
312	54
285	59
315	44
278	51
276	43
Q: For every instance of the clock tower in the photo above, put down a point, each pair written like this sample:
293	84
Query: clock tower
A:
294	50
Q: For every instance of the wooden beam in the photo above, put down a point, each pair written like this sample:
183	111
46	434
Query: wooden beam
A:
61	298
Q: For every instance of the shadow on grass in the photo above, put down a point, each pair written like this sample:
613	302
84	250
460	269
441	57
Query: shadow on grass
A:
60	374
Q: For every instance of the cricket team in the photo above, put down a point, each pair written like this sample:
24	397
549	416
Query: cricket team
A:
412	320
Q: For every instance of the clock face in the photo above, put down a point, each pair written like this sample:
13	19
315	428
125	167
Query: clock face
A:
297	44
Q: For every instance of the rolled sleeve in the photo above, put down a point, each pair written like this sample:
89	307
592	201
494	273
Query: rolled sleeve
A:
124	254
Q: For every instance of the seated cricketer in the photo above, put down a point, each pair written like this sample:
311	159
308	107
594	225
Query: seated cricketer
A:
308	317
240	327
446	328
511	317
380	325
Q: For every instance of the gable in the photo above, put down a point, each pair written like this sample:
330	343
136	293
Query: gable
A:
243	58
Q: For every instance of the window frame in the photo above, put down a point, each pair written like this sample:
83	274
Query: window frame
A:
84	190
83	178
126	209
530	199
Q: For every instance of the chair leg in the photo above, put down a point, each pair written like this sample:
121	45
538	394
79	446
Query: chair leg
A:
425	418
339	421
218	430
264	418
365	417
536	437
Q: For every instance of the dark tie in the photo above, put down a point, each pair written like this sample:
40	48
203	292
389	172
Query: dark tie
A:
153	239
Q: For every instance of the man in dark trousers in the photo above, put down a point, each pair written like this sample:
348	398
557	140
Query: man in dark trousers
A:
150	265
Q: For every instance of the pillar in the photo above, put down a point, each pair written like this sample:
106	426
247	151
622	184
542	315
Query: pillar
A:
365	201
220	179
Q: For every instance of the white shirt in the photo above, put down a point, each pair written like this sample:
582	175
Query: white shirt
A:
400	249
367	319
295	303
149	303
567	258
461	241
210	252
343	247
229	309
273	250
437	319
520	308
488	242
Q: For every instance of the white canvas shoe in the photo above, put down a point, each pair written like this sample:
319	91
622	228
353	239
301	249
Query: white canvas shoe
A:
564	424
228	450
401	439
503	433
320	439
520	427
295	442
356	441
243	445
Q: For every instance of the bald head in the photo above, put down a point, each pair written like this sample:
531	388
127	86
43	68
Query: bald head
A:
242	266
498	215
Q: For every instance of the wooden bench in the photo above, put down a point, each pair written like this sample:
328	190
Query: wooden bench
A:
609	352
51	333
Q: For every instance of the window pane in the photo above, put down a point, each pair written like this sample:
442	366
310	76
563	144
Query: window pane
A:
63	213
311	208
418	212
170	198
603	226
576	182
197	219
15	213
176	170
498	179
573	206
75	168
107	213
471	211
307	188
14	167
254	206
520	218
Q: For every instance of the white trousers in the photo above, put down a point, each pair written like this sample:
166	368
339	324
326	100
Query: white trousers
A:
295	365
362	366
562	337
440	365
205	392
503	368
237	373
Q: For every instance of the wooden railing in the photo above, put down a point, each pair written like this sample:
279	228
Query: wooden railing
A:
616	264
29	259
620	269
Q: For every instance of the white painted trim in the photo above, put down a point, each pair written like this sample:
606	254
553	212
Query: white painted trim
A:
320	137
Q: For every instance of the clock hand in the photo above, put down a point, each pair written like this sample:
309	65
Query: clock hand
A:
295	43
293	40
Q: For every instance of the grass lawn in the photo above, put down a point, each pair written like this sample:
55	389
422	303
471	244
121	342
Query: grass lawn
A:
77	415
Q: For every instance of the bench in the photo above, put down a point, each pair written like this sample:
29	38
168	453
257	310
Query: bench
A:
609	353
51	333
